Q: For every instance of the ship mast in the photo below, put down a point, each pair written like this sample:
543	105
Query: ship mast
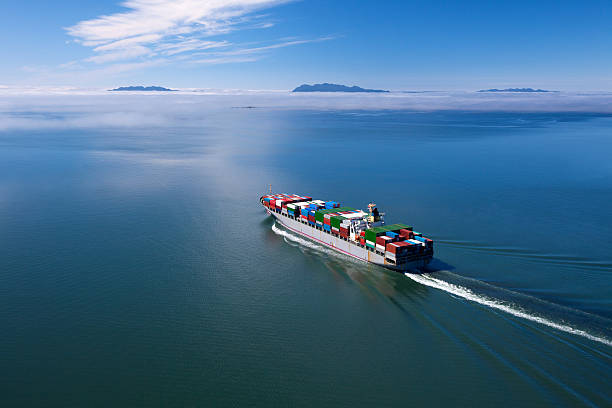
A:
375	218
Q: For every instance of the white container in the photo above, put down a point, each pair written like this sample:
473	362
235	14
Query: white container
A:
380	248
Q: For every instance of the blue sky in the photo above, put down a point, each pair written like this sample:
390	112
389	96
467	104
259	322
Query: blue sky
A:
271	44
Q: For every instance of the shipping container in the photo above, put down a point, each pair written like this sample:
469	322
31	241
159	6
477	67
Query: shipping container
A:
398	247
406	233
416	242
321	213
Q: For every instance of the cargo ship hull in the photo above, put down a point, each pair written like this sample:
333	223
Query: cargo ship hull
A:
414	263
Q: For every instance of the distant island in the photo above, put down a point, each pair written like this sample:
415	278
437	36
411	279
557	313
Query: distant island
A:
333	88
143	88
514	90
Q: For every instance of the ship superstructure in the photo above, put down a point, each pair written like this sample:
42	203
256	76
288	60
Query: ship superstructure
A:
356	233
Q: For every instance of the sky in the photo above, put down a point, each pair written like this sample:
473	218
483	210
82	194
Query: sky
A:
280	44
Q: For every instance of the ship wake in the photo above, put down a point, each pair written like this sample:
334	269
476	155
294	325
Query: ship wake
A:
526	307
549	314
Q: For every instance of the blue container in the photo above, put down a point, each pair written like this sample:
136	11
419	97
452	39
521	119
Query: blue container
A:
391	234
311	212
291	213
327	227
304	211
313	206
267	199
330	204
419	239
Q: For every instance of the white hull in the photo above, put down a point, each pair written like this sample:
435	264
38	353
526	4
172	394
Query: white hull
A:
349	248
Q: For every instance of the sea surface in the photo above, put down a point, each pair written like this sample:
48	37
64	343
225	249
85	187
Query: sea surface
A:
138	269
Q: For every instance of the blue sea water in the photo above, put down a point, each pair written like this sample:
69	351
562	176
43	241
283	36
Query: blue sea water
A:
137	267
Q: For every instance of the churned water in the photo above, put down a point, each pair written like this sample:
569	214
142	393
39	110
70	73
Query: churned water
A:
137	267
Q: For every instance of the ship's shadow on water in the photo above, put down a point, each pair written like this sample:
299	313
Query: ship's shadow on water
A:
437	265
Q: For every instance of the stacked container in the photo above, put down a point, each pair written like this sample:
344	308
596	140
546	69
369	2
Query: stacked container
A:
399	249
382	241
406	233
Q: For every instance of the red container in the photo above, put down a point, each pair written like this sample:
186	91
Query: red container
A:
383	240
392	247
344	231
397	247
362	233
406	234
272	203
311	218
326	221
362	241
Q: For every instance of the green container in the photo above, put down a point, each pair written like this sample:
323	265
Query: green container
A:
319	214
403	226
372	233
371	245
336	220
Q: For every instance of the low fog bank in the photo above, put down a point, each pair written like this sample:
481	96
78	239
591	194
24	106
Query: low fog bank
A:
83	109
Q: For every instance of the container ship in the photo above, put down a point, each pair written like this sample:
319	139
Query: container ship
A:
356	233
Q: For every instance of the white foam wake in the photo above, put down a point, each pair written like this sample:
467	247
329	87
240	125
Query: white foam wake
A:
467	294
296	238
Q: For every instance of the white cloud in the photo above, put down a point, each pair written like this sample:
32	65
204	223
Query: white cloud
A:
178	29
191	44
120	54
253	50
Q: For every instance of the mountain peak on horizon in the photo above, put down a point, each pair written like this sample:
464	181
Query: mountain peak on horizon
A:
327	87
143	88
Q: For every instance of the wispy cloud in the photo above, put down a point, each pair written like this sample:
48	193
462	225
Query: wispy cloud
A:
177	30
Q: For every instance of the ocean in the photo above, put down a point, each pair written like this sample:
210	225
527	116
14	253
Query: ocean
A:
137	267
